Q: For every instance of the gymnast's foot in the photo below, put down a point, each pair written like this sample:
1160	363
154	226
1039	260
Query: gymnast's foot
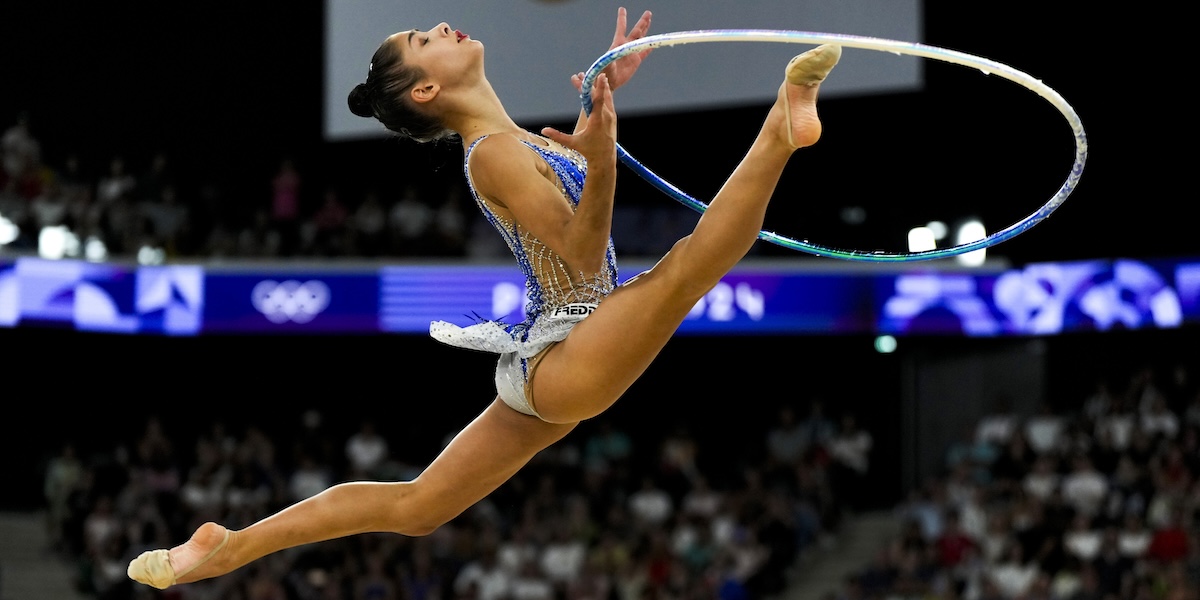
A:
182	564
798	93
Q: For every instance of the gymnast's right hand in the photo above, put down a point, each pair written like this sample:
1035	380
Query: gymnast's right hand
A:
597	140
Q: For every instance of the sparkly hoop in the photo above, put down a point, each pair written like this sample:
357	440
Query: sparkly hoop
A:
869	43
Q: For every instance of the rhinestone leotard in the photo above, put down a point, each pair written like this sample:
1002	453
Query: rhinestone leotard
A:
557	296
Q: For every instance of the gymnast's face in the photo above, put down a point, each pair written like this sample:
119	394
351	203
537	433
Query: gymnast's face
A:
445	55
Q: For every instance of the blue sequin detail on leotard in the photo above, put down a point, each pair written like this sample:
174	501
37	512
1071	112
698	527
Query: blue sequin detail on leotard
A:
554	291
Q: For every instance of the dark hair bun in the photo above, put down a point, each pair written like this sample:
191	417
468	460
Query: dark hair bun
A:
360	101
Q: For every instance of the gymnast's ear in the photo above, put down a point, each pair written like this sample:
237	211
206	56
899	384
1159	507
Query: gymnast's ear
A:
425	91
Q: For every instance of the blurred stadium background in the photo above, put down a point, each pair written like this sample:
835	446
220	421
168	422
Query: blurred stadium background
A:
1025	427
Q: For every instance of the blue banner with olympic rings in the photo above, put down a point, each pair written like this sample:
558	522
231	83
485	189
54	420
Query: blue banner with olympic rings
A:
754	299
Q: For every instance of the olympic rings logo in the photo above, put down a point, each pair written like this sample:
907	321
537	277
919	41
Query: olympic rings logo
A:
290	300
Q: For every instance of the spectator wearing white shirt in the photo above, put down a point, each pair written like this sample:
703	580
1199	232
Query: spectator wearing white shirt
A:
1013	575
851	453
485	577
1082	540
562	557
1158	421
1042	479
650	506
1134	537
1044	430
1085	488
366	451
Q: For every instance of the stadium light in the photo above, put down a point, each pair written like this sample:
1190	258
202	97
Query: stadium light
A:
971	231
56	241
921	239
8	231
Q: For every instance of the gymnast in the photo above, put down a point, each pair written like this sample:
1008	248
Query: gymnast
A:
584	340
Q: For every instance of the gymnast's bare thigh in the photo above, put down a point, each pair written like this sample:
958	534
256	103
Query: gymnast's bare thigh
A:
605	353
485	454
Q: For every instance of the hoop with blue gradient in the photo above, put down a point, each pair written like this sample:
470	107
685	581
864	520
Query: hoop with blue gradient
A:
988	67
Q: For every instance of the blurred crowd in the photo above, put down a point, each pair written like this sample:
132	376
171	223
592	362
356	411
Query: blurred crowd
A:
1097	499
122	208
604	514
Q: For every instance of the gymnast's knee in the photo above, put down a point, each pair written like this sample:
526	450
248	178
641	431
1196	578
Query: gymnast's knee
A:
420	512
677	271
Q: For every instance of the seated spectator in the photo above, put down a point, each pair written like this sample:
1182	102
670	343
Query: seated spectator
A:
483	578
1111	567
1085	488
1169	542
1013	575
1043	479
1044	430
1133	540
1083	540
999	427
562	557
650	505
953	543
1158	421
786	440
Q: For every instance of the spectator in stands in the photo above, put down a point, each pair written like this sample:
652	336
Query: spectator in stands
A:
63	476
19	148
449	227
329	225
483	578
1043	479
1000	426
1158	420
1044	430
1133	539
1169	542
152	183
410	222
1113	569
49	207
366	451
368	223
1013	575
818	429
168	221
1083	539
116	183
1085	488
308	479
562	557
650	505
850	461
786	441
953	544
608	449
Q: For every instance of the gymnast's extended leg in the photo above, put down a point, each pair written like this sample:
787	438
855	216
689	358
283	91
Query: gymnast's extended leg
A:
478	460
583	375
577	379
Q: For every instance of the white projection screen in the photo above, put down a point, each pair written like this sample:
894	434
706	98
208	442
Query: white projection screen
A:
533	46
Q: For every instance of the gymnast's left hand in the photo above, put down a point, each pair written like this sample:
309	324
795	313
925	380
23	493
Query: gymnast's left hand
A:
622	69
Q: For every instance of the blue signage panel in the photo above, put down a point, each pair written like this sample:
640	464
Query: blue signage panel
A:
291	302
1043	299
1037	299
102	297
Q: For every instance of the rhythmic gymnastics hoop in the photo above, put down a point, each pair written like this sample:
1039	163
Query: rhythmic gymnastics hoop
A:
989	67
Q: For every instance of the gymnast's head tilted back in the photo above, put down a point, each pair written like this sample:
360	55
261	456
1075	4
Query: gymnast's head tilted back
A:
398	86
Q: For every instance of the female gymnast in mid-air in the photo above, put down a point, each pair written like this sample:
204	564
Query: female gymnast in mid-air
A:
585	339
